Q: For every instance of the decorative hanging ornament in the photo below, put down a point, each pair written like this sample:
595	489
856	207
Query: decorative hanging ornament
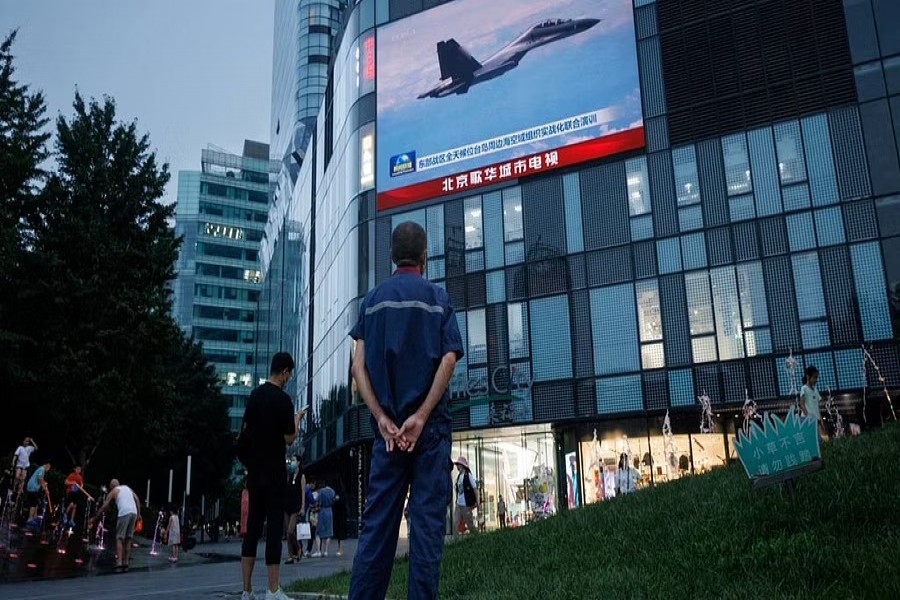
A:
869	359
749	411
835	414
791	364
706	416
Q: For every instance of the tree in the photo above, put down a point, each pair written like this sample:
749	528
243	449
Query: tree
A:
103	253
95	365
22	151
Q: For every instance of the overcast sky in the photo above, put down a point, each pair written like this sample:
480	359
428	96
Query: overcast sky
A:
192	72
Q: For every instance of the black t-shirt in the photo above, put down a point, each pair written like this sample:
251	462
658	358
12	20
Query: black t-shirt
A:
269	417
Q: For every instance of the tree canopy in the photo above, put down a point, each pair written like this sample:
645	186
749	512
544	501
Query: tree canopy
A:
99	371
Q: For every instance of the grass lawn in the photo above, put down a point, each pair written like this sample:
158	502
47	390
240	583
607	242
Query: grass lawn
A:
709	536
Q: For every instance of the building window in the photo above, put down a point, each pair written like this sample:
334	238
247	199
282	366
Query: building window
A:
649	324
615	331
477	337
737	164
638	186
727	313
754	309
517	317
473	223
789	149
513	228
700	316
687	183
551	338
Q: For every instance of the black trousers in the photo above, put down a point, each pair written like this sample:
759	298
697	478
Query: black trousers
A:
266	506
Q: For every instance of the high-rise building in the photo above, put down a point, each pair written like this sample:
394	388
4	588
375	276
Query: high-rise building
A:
221	215
304	39
632	204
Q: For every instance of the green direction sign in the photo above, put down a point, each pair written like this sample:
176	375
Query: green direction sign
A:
779	444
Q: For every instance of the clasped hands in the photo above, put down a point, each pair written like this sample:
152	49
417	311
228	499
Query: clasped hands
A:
401	438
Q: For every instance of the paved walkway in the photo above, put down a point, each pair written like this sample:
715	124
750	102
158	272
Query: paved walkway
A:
209	571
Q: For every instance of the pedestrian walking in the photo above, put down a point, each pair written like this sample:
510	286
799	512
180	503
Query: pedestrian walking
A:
294	506
268	427
173	533
21	462
128	508
312	517
501	512
466	497
326	499
407	345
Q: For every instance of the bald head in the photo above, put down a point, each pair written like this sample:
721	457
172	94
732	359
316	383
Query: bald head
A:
113	484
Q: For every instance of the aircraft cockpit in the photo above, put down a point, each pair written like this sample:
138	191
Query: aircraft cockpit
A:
551	23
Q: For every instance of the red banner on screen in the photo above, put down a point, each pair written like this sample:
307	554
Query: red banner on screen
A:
510	170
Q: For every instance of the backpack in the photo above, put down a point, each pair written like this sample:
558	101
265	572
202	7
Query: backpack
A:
468	490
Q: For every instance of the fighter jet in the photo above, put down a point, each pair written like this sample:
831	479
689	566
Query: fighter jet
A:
460	71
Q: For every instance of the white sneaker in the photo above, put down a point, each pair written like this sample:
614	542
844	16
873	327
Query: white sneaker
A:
247	596
315	555
279	595
325	554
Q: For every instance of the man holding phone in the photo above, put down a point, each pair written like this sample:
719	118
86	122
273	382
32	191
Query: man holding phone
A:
407	345
269	426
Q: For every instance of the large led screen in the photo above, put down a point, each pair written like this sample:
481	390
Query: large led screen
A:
474	92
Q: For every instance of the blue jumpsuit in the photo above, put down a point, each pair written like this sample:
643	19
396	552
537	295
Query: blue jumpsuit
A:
408	325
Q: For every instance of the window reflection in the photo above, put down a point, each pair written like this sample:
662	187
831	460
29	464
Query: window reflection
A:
473	223
648	310
687	183
638	186
477	337
737	164
699	302
789	149
727	311
517	316
513	228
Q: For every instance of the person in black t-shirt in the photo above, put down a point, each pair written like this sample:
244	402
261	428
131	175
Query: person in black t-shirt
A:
269	425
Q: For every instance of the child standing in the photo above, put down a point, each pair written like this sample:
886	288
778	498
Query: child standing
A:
810	400
173	534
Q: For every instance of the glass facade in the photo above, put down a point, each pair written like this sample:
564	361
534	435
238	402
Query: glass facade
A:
598	299
220	215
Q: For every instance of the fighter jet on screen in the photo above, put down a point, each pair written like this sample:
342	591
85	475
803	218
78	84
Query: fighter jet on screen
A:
460	71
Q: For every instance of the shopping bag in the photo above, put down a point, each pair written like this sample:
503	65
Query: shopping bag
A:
303	531
245	511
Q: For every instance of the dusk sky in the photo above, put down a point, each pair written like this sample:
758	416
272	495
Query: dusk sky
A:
192	72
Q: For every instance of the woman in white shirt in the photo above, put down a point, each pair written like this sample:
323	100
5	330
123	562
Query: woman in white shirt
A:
810	400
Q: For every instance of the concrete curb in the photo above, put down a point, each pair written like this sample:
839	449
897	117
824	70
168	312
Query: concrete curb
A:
314	596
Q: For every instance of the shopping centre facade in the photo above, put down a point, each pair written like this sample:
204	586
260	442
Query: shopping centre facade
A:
630	206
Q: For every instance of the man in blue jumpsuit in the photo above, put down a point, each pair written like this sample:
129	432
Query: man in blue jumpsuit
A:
407	345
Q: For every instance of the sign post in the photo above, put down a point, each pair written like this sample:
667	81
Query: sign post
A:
780	450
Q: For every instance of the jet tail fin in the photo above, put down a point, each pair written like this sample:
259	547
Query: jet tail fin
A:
455	61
